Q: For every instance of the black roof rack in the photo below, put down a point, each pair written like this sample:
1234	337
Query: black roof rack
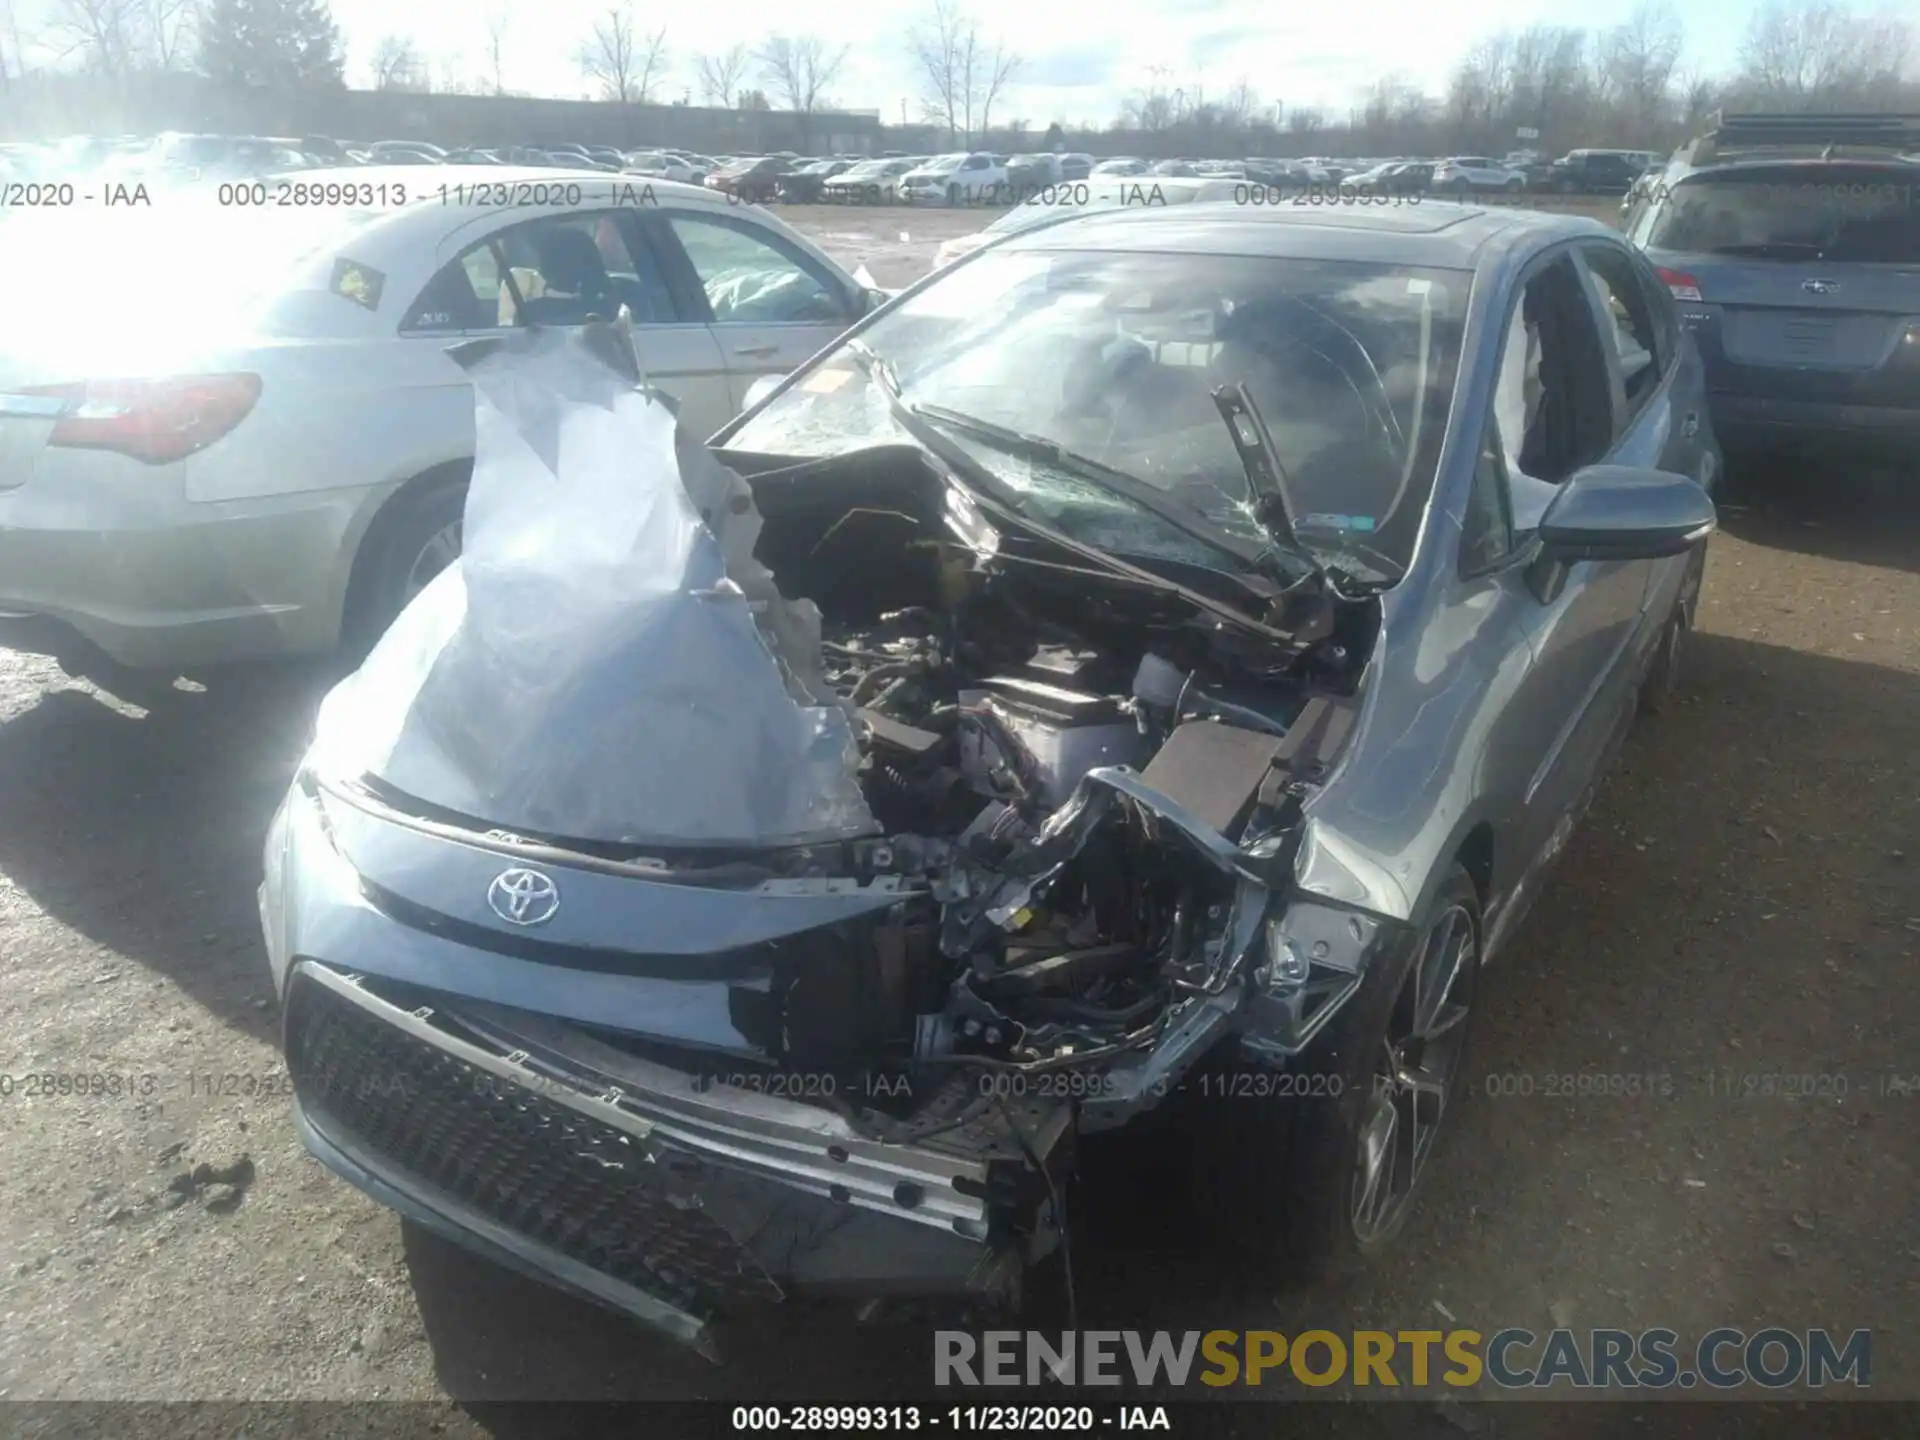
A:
1728	135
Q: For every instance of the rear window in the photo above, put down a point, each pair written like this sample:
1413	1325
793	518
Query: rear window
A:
1861	213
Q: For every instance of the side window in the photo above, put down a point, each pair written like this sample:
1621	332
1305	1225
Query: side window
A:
568	269
1486	538
452	301
1553	409
562	269
750	277
1630	331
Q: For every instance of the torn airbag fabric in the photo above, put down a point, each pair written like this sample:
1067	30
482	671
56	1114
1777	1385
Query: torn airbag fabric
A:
592	668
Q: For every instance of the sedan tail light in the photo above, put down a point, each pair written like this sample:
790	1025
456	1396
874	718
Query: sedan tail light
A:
1683	285
156	421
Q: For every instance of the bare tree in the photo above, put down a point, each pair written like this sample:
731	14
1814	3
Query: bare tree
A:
450	75
1817	51
397	65
103	35
1242	105
1549	81
627	64
1638	60
497	22
1154	107
720	76
169	27
1696	96
1625	84
1480	94
960	75
799	68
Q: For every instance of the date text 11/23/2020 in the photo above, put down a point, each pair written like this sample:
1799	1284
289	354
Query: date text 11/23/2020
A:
1015	1419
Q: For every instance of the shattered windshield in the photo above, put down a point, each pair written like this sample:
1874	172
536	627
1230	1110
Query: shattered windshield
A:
1111	359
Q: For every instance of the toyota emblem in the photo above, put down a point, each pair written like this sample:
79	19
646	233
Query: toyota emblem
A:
524	897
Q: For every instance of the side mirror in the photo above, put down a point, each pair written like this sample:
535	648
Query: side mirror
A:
760	389
1618	512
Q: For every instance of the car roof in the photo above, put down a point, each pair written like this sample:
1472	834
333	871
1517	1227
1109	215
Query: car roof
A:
1681	169
1438	234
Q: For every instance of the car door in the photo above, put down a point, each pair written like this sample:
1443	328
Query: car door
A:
1659	398
1553	413
768	303
470	295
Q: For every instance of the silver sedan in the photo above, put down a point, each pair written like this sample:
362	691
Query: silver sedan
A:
229	429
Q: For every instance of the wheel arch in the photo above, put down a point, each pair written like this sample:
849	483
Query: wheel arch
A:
378	523
1474	854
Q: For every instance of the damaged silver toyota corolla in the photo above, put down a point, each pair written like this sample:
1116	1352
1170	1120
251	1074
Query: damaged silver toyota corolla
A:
1147	664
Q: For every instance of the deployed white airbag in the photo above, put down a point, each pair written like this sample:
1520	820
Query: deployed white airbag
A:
603	663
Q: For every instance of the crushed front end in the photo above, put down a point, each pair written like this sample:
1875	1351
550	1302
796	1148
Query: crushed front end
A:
689	946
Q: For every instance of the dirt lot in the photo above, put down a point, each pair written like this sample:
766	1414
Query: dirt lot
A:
1743	899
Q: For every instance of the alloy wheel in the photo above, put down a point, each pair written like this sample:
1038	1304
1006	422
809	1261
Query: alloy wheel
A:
440	551
1413	1077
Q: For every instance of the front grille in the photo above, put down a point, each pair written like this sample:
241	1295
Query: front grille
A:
561	1179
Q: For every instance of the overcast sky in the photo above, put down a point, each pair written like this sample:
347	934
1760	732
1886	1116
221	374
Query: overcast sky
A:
1080	61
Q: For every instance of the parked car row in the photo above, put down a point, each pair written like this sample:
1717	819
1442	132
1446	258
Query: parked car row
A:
960	177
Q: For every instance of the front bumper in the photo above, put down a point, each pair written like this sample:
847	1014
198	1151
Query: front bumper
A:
564	1116
1758	423
679	1205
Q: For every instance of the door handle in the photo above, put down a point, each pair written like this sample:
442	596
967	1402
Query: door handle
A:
756	351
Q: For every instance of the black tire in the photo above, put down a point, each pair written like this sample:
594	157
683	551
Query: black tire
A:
1276	1176
393	564
953	194
1662	683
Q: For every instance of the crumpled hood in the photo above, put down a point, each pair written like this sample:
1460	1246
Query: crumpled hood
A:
602	664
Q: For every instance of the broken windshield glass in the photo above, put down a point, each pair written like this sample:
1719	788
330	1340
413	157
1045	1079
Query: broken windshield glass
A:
1114	357
607	661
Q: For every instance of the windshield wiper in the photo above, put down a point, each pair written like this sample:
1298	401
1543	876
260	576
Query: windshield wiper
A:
877	366
1268	485
981	482
1187	520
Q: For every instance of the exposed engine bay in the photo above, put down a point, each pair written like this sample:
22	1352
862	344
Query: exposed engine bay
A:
1061	763
1059	788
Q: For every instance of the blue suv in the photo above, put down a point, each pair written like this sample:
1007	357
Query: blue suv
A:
1792	244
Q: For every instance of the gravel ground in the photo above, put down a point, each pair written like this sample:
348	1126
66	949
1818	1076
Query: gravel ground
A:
1742	899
